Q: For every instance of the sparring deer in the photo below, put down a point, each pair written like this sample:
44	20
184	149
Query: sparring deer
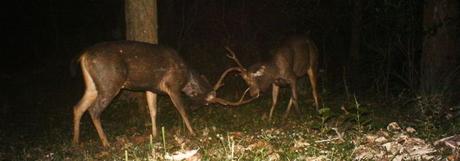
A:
293	58
110	67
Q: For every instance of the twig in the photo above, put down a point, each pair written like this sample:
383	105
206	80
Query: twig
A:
339	137
327	140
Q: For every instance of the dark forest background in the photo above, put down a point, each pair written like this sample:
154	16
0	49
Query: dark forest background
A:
43	37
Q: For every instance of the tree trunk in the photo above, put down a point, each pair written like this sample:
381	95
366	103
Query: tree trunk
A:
141	25
141	20
440	47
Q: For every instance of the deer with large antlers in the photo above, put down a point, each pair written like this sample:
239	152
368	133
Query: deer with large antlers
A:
112	66
295	57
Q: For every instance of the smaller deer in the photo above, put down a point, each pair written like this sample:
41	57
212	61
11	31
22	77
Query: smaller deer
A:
295	57
112	66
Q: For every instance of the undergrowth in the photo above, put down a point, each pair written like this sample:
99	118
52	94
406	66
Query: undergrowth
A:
242	133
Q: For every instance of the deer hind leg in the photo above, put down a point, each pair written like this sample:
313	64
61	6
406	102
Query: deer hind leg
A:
152	103
312	75
102	101
275	92
86	101
293	100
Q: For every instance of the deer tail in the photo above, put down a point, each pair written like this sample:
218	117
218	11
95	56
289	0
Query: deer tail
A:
74	64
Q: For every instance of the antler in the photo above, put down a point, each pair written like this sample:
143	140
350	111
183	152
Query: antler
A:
219	82
233	57
240	68
240	102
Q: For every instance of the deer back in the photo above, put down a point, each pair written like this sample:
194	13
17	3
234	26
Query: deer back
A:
302	53
137	65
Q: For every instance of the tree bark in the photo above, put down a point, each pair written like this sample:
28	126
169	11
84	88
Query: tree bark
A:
440	47
141	25
141	20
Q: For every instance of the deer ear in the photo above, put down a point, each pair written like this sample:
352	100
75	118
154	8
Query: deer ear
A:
259	72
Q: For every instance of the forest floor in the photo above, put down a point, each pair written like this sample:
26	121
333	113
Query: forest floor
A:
355	128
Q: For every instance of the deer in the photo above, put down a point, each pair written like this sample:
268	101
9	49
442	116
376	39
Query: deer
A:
295	57
109	67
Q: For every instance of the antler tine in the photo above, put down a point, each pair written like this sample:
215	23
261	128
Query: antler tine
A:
244	94
232	56
219	82
240	102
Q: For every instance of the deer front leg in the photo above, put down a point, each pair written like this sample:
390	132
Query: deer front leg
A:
176	100
275	91
152	103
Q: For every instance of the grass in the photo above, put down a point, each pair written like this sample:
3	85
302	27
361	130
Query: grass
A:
241	133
